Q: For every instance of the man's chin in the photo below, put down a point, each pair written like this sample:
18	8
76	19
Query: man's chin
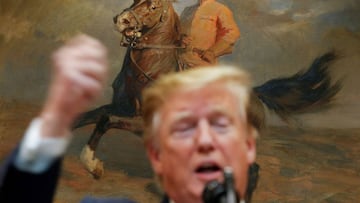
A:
196	189
192	195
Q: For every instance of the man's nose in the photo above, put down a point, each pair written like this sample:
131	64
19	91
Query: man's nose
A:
205	138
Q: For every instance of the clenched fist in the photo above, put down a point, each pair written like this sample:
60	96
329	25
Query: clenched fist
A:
79	74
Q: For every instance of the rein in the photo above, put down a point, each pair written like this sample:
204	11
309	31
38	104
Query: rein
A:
147	76
134	44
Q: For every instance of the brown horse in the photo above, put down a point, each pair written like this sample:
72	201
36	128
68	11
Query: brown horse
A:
150	30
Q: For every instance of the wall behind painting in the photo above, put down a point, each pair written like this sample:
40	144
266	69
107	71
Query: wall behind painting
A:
279	38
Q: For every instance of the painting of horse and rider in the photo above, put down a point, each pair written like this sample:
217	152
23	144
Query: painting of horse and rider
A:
158	41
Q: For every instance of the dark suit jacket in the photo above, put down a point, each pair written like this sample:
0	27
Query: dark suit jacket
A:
18	186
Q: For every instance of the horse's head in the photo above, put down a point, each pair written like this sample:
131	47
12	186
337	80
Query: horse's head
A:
142	15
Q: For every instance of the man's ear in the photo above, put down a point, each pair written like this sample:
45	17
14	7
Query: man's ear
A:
154	157
251	147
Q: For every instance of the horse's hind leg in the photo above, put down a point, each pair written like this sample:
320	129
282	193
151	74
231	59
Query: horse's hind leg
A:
93	116
87	157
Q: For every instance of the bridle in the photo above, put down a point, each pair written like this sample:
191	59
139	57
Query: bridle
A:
133	41
139	24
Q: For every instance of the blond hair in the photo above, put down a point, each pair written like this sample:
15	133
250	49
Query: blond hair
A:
233	79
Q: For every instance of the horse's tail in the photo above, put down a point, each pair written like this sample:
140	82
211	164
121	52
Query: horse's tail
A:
302	92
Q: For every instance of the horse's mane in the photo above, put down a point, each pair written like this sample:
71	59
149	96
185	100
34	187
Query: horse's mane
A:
167	30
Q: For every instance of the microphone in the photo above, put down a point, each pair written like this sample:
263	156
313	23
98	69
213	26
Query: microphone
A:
216	192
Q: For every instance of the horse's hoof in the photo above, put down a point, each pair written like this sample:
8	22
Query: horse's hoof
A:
92	164
98	172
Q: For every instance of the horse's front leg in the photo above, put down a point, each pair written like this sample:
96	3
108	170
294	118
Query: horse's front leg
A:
87	156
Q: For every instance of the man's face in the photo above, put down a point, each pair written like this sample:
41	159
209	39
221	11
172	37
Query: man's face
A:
200	133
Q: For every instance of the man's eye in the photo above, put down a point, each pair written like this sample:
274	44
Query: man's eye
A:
221	124
185	129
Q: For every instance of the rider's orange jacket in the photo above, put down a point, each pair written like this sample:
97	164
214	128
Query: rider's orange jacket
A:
211	22
210	26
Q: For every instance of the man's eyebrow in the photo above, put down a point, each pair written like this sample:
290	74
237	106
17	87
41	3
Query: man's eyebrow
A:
220	109
213	110
181	115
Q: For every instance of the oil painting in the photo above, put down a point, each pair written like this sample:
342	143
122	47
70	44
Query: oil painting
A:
304	58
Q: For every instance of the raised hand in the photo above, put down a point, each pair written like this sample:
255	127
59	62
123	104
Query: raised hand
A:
79	74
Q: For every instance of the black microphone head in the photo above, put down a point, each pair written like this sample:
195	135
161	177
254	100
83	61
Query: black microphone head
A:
213	192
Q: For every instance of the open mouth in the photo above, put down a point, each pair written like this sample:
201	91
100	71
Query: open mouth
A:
208	168
208	171
131	32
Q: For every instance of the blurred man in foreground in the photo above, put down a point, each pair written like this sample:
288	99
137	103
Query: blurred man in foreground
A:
196	123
